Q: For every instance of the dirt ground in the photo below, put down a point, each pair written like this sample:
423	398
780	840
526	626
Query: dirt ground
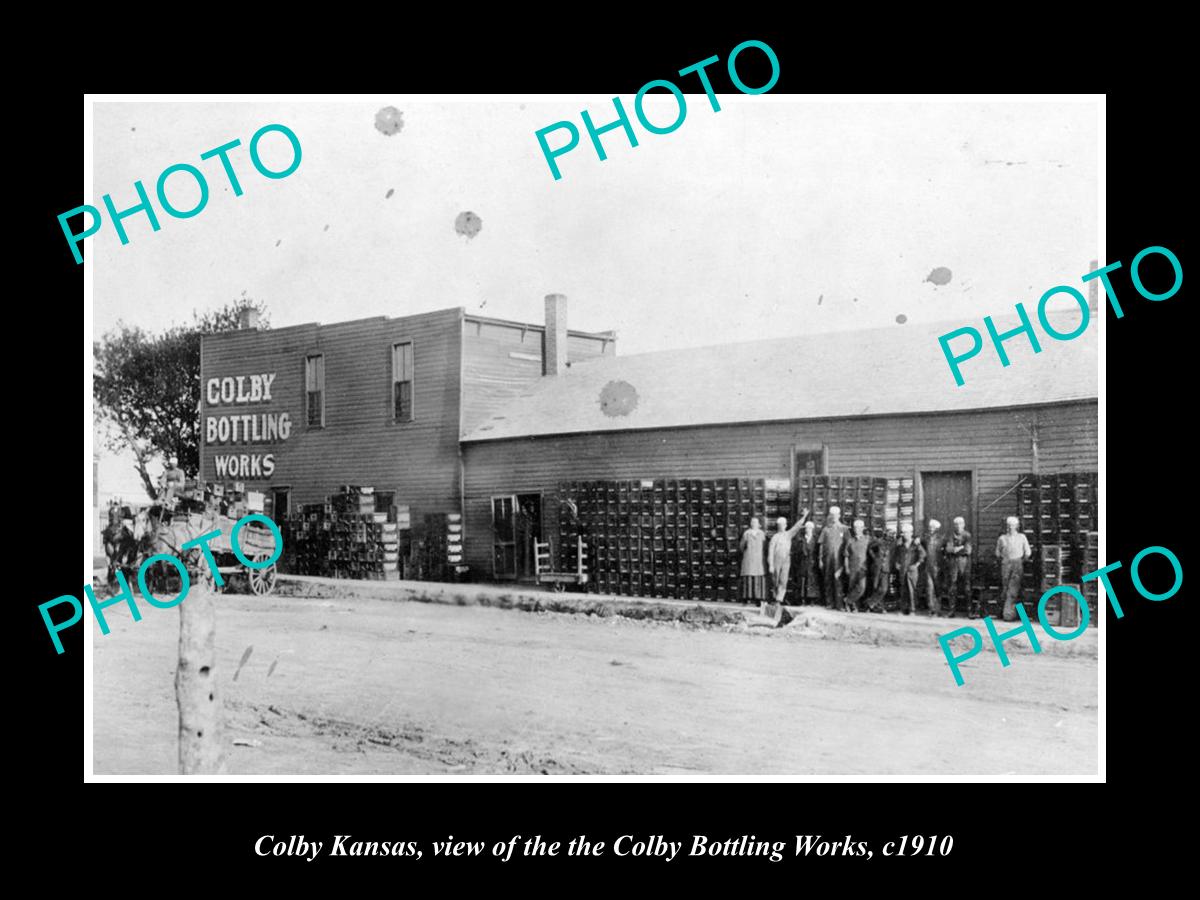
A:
361	685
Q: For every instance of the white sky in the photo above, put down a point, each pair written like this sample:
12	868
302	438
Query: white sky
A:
728	229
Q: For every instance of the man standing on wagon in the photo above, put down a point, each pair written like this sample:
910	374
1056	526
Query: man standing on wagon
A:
173	480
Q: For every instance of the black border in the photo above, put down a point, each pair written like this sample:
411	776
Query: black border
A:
998	828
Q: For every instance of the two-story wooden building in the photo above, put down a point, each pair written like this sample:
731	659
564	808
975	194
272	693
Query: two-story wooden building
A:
295	412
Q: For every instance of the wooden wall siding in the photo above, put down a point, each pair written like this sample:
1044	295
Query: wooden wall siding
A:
360	443
994	443
492	377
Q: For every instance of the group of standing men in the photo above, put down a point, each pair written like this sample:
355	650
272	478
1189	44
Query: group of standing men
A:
848	569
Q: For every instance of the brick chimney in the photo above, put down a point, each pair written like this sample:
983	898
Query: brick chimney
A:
554	342
247	318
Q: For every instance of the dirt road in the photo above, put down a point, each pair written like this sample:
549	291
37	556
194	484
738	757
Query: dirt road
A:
369	686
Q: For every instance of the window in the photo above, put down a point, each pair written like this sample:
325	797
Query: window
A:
314	386
812	461
402	382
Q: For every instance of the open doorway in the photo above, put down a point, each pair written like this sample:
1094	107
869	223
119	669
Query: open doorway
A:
516	524
528	529
280	504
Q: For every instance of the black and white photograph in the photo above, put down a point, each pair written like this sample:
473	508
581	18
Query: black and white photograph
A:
521	436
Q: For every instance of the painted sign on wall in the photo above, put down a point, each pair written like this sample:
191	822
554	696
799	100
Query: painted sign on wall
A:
244	427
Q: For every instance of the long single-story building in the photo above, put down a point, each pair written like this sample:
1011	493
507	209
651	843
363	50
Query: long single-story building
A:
880	403
498	422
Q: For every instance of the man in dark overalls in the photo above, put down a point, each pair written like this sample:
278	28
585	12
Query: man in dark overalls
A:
854	562
932	573
907	557
804	573
879	555
830	556
957	551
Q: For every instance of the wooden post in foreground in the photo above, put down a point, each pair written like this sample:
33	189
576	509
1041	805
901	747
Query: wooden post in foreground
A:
200	749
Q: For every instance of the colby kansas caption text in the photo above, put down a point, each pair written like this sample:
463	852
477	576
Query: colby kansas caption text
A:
652	847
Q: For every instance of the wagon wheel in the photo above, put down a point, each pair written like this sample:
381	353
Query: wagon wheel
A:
262	581
559	587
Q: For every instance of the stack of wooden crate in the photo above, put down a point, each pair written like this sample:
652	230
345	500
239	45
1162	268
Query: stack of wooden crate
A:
307	538
1058	514
1087	559
1050	566
454	542
680	538
1058	508
346	537
906	513
227	498
435	552
666	537
859	497
669	538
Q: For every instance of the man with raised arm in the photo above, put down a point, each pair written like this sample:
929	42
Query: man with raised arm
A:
779	553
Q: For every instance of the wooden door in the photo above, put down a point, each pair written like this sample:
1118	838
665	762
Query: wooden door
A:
945	495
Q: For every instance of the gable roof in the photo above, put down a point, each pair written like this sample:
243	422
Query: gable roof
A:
880	371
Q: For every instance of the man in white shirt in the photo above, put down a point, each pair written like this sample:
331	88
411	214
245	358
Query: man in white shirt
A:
1012	549
779	553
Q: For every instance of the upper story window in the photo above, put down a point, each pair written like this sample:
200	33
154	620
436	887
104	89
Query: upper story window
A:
402	382
314	387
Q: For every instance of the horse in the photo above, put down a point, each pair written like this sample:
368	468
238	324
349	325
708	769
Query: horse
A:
120	548
157	530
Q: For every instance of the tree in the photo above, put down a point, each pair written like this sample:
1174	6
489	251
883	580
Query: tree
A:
147	387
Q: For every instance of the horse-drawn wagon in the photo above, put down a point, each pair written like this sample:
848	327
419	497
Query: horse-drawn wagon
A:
155	530
257	544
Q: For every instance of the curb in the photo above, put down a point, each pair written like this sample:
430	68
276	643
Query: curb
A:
880	630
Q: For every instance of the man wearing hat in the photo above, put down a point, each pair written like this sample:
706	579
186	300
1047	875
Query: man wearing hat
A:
1012	549
879	555
933	556
907	557
854	562
779	553
172	480
957	550
829	558
804	550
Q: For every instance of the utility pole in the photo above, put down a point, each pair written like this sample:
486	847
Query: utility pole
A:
201	751
1032	428
1033	444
